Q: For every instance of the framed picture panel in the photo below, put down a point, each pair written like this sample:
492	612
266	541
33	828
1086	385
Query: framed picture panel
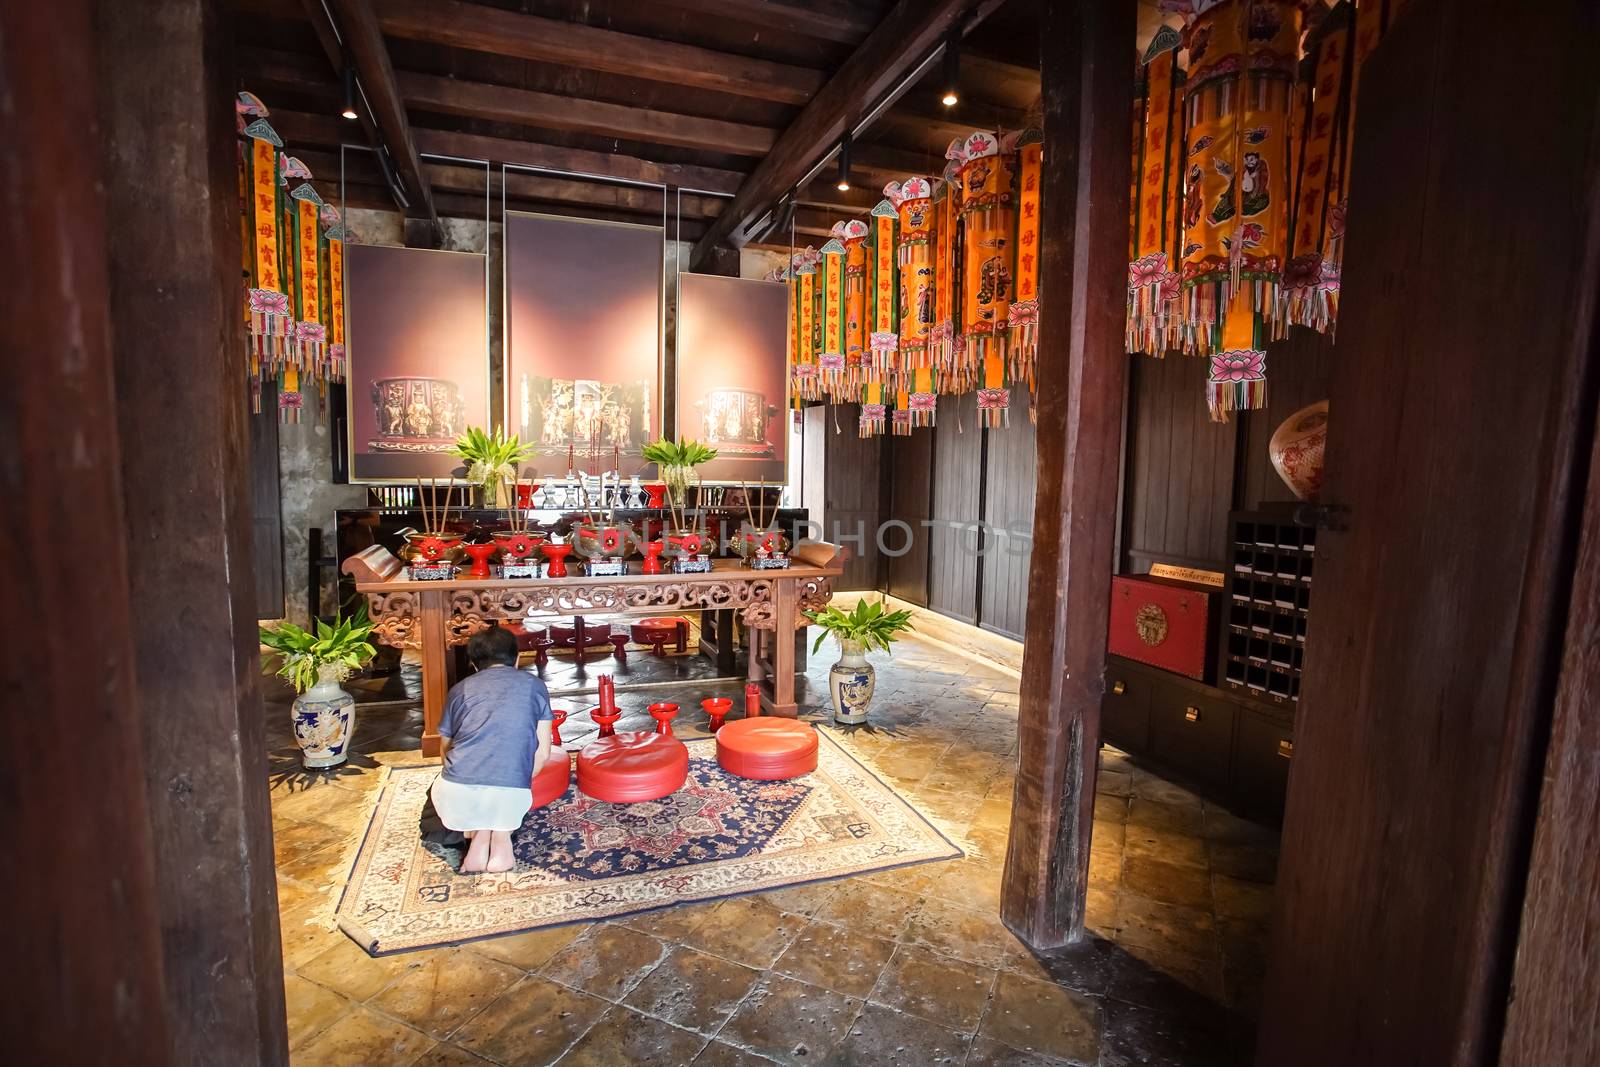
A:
732	381
583	327
418	349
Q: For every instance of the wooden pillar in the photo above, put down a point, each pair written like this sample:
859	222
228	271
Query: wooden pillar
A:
1087	81
1432	661
1554	1016
168	141
83	949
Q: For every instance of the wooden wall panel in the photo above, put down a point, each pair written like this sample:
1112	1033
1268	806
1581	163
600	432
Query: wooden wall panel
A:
851	490
957	472
266	497
1299	372
1008	524
1180	472
908	483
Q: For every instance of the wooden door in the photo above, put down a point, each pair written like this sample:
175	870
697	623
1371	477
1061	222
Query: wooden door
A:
1458	383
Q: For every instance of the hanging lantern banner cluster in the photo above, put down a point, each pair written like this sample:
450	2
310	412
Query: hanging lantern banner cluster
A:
938	291
1240	167
988	224
293	266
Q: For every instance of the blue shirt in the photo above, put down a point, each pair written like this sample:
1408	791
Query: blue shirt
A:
492	720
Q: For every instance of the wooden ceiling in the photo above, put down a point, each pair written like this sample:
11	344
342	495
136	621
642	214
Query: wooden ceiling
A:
707	97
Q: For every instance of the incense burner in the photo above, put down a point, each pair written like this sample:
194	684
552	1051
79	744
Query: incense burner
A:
432	547
520	550
597	541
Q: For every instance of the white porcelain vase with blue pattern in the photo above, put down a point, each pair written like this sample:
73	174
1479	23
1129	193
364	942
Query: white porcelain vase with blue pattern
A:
324	718
851	682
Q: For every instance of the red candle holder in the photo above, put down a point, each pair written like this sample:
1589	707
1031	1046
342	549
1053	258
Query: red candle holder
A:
525	491
716	707
480	555
557	717
606	719
557	554
652	556
657	492
663	714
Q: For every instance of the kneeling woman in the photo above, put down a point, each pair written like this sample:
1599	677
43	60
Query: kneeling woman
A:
496	734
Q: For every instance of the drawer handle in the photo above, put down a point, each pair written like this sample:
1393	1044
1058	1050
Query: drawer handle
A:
1191	714
1286	749
1118	688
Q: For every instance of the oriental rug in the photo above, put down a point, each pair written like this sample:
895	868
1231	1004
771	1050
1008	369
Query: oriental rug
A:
580	859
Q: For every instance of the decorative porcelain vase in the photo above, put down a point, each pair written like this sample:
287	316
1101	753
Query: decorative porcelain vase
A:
851	682
1297	448
323	717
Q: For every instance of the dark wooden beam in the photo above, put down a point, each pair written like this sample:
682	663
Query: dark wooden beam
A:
361	167
577	161
84	946
551	111
1082	373
167	132
456	205
375	72
546	40
907	35
302	128
826	20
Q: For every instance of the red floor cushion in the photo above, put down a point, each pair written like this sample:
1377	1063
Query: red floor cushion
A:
768	747
628	767
550	784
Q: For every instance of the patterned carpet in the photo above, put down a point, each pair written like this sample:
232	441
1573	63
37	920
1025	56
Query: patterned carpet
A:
581	859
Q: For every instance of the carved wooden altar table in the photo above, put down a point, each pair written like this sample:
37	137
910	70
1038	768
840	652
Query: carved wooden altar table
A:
433	616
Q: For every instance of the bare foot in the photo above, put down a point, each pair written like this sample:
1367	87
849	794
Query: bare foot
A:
501	858
477	857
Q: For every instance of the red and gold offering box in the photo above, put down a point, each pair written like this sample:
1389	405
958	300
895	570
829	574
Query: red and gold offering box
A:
1164	622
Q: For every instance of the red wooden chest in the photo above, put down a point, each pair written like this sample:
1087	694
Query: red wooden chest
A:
1163	622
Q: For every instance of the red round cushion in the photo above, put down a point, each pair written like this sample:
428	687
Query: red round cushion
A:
767	747
627	767
551	782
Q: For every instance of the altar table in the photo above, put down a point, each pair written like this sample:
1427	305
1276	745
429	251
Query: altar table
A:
433	615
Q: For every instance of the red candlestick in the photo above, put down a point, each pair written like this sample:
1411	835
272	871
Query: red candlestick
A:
752	700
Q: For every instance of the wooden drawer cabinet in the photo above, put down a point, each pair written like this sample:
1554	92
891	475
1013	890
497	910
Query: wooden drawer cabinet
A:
1230	749
1192	733
1125	714
1263	749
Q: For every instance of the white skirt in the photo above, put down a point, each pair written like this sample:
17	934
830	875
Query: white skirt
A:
479	807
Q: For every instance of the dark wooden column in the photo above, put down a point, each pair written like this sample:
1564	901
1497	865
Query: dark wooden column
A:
167	133
1554	1015
83	952
1087	81
1462	416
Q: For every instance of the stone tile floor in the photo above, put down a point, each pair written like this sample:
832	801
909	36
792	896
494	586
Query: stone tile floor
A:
906	967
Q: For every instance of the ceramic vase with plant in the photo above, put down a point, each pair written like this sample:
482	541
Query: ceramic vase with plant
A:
867	628
492	460
677	461
315	662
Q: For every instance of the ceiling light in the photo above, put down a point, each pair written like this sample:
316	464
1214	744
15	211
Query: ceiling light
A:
844	164
349	109
952	70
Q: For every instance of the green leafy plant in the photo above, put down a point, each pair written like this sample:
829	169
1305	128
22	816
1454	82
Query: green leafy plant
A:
677	460
303	655
868	624
491	457
679	453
